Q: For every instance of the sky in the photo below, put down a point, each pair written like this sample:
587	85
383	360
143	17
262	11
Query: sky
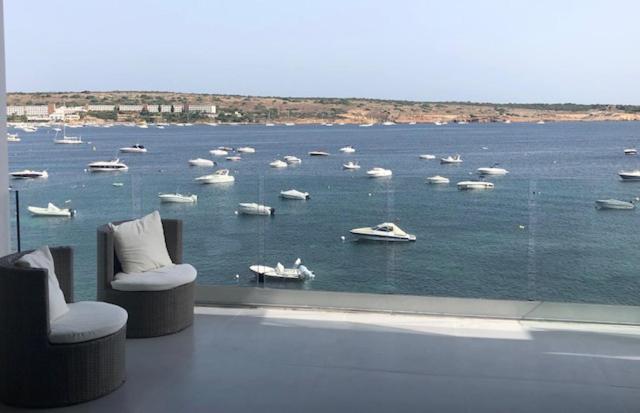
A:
482	51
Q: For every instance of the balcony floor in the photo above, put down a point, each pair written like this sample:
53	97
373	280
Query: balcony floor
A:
276	360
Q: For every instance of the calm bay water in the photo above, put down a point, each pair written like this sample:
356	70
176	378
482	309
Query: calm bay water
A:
470	244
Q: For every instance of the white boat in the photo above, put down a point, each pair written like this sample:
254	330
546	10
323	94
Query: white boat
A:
540	122
347	149
142	125
438	123
255	209
233	158
220	176
289	124
178	198
51	211
68	140
462	122
451	159
630	175
467	185
507	121
379	173
29	129
294	194
615	204
351	166
201	162
160	127
107	166
493	170
226	148
318	153
427	156
437	180
298	272
388	123
269	124
290	159
631	151
387	231
137	148
219	152
367	125
327	124
412	123
246	149
278	164
29	174
12	137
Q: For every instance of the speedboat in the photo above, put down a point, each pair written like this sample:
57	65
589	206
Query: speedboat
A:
51	211
246	149
351	166
631	151
255	209
225	148
12	137
427	156
347	149
219	152
615	204
318	153
437	179
29	174
451	159
278	164
298	272
494	170
466	185
386	231
201	162
137	148
630	175
294	194
292	159
178	198
107	166
379	172
221	176
233	158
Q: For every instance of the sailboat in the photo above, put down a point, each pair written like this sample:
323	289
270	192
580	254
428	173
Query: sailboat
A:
67	140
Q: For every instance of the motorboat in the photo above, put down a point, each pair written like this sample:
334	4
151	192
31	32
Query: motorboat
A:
118	184
255	209
298	272
467	185
221	176
367	125
540	122
427	156
294	194
412	123
347	149
278	164
51	211
289	124
351	166
143	126
246	149
107	166
630	175
388	123
269	124
225	148
493	170
29	174
318	153
178	198
201	162
437	123
387	231
379	173
437	180
12	137
233	158
451	159
631	151
462	122
219	152
615	204
290	159
137	148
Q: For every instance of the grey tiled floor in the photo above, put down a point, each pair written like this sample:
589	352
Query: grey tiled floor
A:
270	360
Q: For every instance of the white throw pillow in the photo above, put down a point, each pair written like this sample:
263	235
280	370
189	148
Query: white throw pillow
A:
42	258
140	244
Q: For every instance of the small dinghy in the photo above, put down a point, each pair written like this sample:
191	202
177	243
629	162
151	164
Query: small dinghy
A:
255	209
298	272
294	194
615	204
201	162
178	198
51	211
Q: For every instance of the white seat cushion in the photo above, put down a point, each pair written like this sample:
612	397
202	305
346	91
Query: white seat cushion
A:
164	278
87	320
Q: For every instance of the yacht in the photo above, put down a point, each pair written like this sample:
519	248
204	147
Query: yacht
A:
201	162
12	137
29	174
318	153
246	149
427	156
631	151
451	159
107	166
493	170
630	175
137	148
51	211
437	179
255	209
220	176
278	164
219	152
292	159
615	204
294	194
347	149
379	173
178	198
386	231
351	166
233	158
466	185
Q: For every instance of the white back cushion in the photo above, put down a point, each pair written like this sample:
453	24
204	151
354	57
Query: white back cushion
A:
140	244
42	258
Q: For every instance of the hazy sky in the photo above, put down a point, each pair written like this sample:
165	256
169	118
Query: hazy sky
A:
501	51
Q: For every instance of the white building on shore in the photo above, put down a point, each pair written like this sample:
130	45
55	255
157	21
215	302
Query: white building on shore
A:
210	109
130	108
101	108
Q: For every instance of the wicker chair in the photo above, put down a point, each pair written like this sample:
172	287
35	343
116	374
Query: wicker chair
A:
151	313
35	372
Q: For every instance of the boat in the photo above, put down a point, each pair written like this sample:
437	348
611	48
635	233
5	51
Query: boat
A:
107	166
178	198
437	123
246	149
540	122
221	176
427	156
137	148
379	173
269	124
290	159
68	140
318	153
366	125
142	125
451	159
12	137
278	164
507	121
493	170
630	175
298	272
233	158
327	124
347	149
412	123
462	122
29	174
225	148
118	184
615	204
219	152
255	209
388	123
387	231
201	162
159	126
51	211
437	180
631	151
289	124
294	194
351	166
467	185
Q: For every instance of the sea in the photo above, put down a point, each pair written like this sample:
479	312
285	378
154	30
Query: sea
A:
535	236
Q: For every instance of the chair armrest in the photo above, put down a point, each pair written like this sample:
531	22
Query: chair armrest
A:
173	238
105	260
63	262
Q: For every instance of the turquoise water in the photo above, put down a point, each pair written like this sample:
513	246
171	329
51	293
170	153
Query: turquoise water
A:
470	244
